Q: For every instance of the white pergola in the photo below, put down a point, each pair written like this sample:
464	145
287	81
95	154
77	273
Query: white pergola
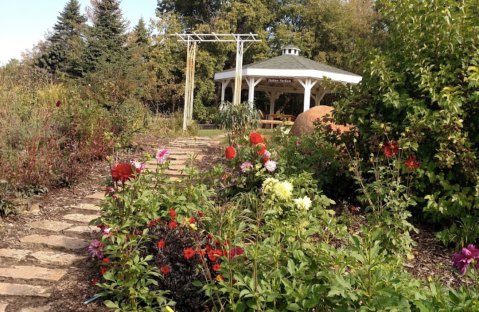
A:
287	73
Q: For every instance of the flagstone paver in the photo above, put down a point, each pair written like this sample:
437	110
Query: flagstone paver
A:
57	258
8	289
176	167
80	217
186	157
83	229
18	254
98	195
91	207
55	241
173	173
32	272
55	226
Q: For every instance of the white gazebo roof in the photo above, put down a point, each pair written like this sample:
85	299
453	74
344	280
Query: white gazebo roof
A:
288	73
290	65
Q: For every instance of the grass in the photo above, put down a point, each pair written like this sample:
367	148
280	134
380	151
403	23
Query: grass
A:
211	133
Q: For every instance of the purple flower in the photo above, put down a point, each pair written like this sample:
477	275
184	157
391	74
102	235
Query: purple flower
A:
246	166
236	251
270	165
464	258
96	249
266	154
298	143
162	155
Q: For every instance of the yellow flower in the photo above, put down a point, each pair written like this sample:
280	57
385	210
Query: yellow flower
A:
219	278
192	226
283	190
303	203
169	309
268	184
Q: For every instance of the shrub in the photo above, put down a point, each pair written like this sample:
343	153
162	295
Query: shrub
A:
424	88
238	119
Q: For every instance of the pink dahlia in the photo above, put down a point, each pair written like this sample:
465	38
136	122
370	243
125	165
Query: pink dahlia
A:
96	249
270	165
236	251
162	155
138	165
246	166
464	258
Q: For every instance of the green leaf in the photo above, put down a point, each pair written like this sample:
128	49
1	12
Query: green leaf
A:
197	283
110	304
293	307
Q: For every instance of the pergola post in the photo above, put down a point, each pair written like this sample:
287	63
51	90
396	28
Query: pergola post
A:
190	83
307	85
224	84
238	72
192	39
251	84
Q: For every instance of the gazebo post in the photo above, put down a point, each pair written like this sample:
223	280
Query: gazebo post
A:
251	84
307	85
318	97
224	84
272	99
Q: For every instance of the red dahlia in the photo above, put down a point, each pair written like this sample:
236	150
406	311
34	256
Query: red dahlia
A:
161	244
165	269
122	172
192	220
391	148
216	266
256	138
230	153
412	164
213	254
103	270
172	213
172	225
106	260
262	150
189	253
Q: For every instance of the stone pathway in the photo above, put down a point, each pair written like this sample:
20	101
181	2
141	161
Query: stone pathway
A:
61	244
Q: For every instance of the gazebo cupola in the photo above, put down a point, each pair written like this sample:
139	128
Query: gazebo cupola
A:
291	50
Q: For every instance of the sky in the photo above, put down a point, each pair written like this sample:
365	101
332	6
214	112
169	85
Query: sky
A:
23	23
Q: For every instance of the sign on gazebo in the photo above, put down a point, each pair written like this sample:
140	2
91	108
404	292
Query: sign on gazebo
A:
279	80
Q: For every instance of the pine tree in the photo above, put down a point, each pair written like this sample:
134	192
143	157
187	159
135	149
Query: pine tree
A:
65	44
141	35
106	39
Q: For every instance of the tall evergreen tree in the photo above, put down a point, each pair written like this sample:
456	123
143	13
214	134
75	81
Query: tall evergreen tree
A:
107	38
141	36
65	44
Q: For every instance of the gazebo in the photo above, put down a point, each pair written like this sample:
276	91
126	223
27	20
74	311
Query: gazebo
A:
287	73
